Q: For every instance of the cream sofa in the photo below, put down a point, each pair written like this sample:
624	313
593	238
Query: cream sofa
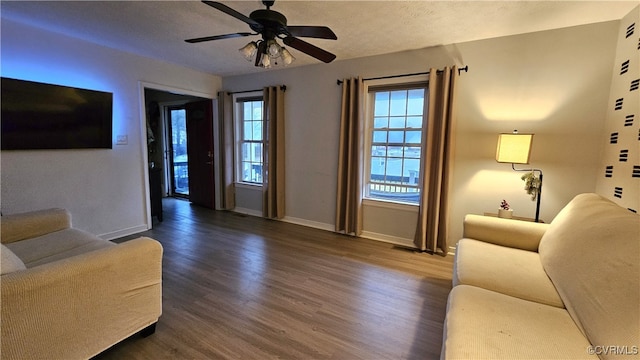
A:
67	294
564	290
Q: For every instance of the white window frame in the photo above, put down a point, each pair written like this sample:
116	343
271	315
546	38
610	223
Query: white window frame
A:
369	87
238	101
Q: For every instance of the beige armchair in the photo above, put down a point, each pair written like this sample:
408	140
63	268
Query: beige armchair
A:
67	294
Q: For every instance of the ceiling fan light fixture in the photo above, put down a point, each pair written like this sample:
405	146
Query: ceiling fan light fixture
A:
286	56
265	61
249	50
272	25
274	49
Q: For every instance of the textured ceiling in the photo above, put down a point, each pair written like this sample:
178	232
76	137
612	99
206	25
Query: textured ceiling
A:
157	29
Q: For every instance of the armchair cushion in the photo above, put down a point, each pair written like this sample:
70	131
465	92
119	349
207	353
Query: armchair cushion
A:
9	261
56	246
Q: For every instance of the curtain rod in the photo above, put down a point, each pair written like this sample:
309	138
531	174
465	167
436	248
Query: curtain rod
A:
282	87
460	70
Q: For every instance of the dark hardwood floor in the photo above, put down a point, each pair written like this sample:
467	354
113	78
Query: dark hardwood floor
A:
242	287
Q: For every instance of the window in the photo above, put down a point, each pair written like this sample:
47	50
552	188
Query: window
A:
395	124
250	142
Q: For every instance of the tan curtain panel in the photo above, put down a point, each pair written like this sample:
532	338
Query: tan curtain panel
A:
437	157
273	200
350	158
227	148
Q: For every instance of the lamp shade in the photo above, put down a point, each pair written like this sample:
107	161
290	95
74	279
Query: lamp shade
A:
249	50
514	148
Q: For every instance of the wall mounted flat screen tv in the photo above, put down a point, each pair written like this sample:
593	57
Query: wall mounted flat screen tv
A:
45	116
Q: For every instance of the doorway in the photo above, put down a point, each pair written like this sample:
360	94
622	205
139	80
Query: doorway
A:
180	145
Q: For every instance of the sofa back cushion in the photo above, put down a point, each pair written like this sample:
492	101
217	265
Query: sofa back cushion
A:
591	252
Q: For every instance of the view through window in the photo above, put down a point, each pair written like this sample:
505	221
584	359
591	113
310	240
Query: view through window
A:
396	144
251	141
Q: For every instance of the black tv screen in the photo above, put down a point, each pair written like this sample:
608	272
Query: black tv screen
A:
45	116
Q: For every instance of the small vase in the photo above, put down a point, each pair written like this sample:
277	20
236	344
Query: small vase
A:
505	214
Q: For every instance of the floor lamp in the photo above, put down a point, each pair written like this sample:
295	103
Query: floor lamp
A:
515	148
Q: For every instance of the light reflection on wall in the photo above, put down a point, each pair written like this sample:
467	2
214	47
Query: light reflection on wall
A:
530	105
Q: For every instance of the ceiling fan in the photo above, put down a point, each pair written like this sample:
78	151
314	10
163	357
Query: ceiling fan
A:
271	25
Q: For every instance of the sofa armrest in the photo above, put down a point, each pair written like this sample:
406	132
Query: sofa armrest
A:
505	232
16	227
95	300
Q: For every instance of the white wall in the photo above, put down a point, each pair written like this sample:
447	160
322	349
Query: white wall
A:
553	83
105	190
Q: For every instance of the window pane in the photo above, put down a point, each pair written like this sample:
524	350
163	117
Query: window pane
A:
380	122
246	152
394	169
411	170
398	103
412	152
414	137
414	122
378	150
415	103
247	111
379	136
377	168
395	151
396	137
247	133
256	152
246	171
257	110
396	122
381	106
257	130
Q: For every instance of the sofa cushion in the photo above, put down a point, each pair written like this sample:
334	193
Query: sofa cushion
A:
9	262
591	252
56	246
483	324
503	269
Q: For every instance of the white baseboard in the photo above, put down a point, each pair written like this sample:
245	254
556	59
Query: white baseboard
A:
388	239
330	227
309	223
124	232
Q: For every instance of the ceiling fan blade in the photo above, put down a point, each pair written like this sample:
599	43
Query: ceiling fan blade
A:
320	32
218	37
309	49
229	11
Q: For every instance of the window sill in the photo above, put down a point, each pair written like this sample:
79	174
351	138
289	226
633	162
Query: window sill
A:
390	205
248	185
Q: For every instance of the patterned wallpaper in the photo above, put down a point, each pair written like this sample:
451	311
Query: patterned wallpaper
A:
620	179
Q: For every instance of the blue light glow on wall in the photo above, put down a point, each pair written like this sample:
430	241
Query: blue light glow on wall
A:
44	62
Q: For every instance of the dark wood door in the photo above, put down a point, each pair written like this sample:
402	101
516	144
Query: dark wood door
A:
200	153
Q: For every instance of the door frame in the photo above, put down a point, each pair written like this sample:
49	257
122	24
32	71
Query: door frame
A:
142	85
